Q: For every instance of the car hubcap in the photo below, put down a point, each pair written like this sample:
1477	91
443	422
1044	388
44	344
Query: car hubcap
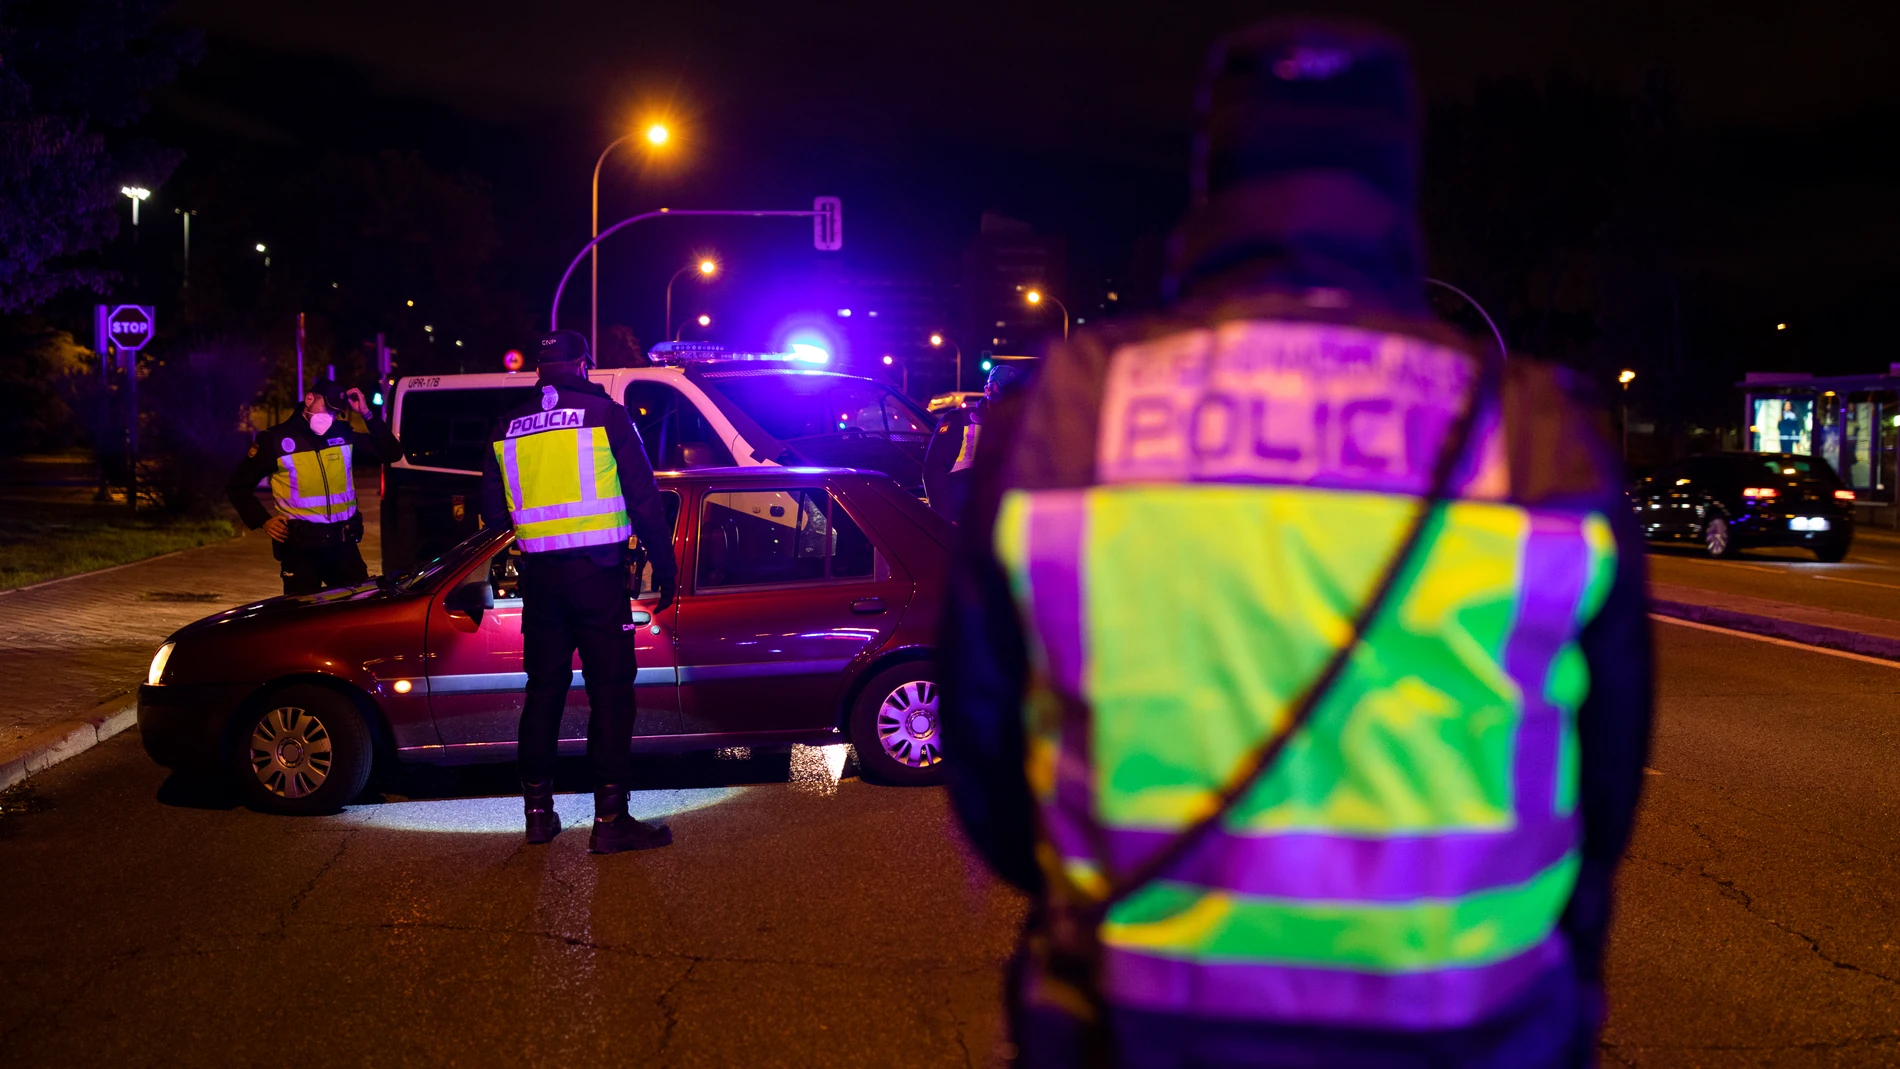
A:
1717	535
907	725
290	752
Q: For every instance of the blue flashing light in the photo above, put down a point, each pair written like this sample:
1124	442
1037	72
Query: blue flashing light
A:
377	398
803	350
986	365
844	313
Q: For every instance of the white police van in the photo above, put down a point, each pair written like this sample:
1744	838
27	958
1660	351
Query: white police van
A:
699	406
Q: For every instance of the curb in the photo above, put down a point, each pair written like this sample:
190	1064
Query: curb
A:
50	745
1833	638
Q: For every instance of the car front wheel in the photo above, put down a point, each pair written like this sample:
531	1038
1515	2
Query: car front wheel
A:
304	750
896	729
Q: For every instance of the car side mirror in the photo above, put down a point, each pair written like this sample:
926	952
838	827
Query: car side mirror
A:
684	455
471	599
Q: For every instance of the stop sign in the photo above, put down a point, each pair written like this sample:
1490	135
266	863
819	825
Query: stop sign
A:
130	326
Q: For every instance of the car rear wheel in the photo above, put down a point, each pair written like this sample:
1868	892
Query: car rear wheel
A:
305	750
1832	552
896	729
1716	539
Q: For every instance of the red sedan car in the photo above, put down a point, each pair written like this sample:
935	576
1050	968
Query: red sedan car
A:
807	613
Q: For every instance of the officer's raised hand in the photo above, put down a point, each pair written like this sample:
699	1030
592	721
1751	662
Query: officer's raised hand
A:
355	397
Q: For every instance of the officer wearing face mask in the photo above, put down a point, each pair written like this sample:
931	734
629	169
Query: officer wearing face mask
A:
307	458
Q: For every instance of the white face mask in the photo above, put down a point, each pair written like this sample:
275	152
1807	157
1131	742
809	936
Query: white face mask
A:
320	422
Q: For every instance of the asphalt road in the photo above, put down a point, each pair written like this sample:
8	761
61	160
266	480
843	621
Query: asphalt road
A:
141	924
787	926
1758	918
1867	582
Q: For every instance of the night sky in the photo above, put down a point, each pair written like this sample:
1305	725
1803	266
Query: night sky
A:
1074	117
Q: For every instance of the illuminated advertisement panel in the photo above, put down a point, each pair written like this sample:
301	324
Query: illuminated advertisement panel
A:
1783	425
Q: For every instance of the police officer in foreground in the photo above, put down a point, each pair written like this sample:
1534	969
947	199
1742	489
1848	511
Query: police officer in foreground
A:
567	470
951	455
1347	783
307	457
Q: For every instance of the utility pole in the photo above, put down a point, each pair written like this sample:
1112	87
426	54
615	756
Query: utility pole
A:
299	399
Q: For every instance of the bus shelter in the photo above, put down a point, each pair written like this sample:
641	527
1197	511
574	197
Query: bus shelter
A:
1851	421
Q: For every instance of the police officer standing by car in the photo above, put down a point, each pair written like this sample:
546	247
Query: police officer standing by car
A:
568	471
1347	783
307	457
951	455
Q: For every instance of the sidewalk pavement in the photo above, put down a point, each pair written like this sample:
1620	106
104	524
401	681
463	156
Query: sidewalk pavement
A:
1871	636
73	651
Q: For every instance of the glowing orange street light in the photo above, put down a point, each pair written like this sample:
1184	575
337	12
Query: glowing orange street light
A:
657	134
705	321
707	268
1035	296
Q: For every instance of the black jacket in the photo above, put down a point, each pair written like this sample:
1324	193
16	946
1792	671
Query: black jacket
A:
645	509
295	436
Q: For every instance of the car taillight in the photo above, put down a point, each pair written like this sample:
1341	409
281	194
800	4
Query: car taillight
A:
1760	491
1843	495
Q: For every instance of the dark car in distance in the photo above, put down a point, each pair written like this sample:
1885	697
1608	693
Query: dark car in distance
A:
806	613
1733	501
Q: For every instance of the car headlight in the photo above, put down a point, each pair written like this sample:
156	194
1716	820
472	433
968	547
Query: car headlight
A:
157	671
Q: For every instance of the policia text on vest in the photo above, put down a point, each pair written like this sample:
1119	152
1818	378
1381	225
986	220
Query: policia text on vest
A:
307	458
568	472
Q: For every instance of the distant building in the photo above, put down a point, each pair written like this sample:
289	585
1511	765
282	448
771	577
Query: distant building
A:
1007	258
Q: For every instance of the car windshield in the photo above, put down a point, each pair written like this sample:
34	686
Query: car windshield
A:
454	557
794	404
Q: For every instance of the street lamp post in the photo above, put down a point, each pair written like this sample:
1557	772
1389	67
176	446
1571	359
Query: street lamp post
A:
186	216
707	268
936	341
656	135
1037	297
1625	378
137	193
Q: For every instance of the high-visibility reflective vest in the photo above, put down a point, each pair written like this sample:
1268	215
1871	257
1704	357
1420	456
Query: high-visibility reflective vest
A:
966	456
1405	863
315	484
563	487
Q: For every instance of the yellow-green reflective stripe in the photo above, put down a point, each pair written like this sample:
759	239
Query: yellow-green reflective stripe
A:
1183	921
1416	736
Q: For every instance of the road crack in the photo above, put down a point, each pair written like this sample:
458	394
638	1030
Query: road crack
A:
1734	892
297	900
669	1012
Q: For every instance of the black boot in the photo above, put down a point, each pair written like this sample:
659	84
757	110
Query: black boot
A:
615	831
537	800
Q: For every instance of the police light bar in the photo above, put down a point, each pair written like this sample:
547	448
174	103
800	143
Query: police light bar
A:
681	353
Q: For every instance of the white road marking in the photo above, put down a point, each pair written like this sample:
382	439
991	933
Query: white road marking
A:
1858	582
1881	661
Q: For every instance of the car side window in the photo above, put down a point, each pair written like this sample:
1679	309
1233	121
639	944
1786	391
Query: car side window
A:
766	537
643	584
504	568
1674	475
673	430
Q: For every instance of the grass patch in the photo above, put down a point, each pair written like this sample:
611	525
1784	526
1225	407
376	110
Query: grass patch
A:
47	540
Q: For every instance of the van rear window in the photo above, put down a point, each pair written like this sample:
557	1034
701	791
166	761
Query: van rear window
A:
449	428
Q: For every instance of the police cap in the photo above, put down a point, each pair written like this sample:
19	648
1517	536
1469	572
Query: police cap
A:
561	346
